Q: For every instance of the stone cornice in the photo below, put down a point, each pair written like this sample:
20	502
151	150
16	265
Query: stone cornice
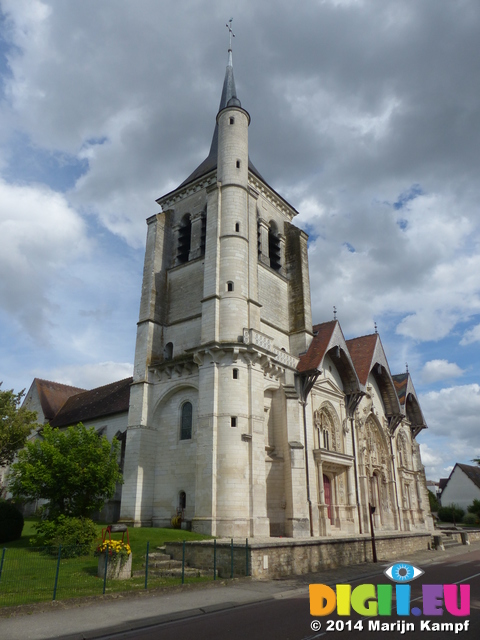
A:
272	196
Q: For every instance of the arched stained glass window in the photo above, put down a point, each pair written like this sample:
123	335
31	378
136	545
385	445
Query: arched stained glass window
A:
187	419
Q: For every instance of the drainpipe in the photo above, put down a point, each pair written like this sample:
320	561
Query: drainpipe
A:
352	404
309	500
306	385
355	468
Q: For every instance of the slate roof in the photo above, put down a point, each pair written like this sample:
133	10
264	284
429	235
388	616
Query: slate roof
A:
441	483
471	471
88	405
53	395
210	163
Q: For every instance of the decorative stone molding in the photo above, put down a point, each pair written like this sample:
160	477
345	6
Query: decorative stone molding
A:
179	194
271	196
173	369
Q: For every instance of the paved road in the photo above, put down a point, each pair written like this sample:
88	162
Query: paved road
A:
288	618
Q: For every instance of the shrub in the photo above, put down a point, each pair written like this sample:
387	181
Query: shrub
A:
11	522
474	507
469	518
76	535
450	513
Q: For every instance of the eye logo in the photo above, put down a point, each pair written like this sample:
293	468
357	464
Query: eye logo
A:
403	572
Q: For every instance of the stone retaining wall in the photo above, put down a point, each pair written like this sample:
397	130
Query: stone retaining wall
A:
278	558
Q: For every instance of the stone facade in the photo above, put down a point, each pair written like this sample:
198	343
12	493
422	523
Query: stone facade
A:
244	418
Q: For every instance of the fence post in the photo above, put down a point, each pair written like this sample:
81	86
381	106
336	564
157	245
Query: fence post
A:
246	556
183	562
146	565
56	573
231	558
214	559
105	572
3	558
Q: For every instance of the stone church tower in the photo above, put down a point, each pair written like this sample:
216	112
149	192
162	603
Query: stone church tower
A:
244	419
225	302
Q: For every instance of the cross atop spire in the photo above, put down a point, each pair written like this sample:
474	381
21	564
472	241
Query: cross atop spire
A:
230	32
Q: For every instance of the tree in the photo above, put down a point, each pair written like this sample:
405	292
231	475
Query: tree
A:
75	470
434	505
16	423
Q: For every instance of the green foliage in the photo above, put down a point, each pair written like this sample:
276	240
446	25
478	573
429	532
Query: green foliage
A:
11	522
450	513
434	504
470	518
75	470
16	423
76	535
474	507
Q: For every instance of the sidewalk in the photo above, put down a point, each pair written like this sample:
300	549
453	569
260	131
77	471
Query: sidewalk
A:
95	617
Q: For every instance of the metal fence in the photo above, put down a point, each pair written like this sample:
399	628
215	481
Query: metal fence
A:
37	574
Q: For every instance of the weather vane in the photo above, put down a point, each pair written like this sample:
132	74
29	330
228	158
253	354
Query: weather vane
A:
334	312
231	34
376	328
406	366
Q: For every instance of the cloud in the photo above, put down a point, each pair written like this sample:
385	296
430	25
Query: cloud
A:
435	370
40	234
454	411
471	335
89	376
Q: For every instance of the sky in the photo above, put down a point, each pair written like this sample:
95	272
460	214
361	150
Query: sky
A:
365	117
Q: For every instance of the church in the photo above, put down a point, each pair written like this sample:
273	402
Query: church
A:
243	419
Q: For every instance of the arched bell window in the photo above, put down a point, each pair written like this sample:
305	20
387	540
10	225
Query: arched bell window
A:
184	239
274	252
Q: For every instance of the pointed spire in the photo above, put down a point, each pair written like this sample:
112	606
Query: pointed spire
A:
228	98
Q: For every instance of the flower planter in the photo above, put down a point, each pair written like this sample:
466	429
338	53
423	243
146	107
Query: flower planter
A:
118	568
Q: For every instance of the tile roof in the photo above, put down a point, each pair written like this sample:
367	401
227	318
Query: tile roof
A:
362	351
96	403
322	334
401	382
53	395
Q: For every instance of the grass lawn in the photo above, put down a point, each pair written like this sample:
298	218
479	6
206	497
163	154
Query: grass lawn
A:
28	575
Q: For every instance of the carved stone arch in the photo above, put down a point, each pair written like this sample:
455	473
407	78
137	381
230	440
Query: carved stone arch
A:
172	390
377	453
402	449
326	420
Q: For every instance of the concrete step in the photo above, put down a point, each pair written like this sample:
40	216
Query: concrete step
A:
155	555
190	572
163	564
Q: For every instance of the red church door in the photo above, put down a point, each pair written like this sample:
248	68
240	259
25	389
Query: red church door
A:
327	490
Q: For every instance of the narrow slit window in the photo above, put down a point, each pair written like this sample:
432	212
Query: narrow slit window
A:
237	227
238	164
232	120
229	286
186	421
235	374
233	421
